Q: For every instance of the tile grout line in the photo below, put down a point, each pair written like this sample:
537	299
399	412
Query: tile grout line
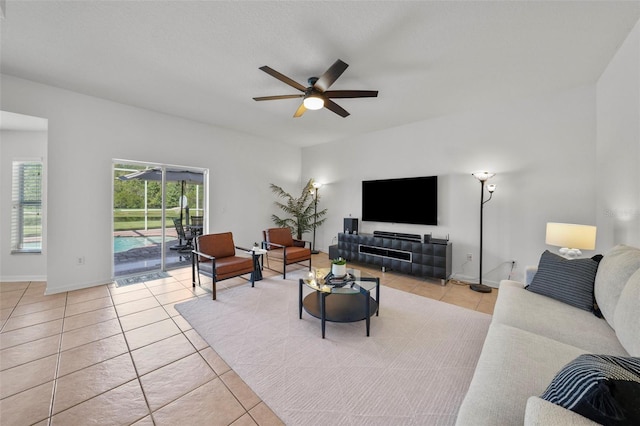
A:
48	419
59	356
14	308
133	363
219	376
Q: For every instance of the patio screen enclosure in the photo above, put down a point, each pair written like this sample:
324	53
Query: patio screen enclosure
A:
147	197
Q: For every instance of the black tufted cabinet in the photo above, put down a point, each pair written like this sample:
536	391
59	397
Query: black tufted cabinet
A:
408	257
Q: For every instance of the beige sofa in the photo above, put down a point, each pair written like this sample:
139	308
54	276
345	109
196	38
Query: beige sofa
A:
532	337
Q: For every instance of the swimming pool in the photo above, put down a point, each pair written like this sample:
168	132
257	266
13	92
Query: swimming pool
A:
121	244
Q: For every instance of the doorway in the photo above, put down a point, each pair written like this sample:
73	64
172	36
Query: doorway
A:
154	207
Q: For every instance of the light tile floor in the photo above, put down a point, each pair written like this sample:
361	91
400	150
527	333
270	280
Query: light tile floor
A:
108	355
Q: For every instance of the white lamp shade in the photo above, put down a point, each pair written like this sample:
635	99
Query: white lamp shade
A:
483	176
571	236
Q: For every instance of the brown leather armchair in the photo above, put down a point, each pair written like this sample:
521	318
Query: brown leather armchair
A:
216	258
281	245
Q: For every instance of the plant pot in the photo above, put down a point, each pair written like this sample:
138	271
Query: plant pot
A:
338	270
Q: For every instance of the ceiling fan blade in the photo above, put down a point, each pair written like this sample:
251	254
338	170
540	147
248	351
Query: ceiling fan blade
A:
301	110
351	93
283	78
273	98
330	105
330	76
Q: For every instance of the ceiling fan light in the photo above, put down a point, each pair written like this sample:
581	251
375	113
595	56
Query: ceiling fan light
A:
313	102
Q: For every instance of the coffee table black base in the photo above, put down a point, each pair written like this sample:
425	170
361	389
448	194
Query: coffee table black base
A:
340	307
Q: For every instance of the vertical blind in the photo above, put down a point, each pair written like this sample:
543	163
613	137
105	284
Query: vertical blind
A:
26	212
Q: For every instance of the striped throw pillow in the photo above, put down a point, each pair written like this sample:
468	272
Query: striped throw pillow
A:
567	280
602	388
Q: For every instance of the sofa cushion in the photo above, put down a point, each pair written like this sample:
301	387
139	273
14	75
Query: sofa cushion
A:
554	319
603	388
567	280
614	271
514	365
627	315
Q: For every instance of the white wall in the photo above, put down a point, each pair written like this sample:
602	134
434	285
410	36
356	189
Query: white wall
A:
618	146
86	133
542	149
20	145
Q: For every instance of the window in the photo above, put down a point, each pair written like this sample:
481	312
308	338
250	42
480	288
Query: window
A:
26	214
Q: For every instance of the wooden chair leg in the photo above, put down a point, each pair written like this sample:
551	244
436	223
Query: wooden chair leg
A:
213	288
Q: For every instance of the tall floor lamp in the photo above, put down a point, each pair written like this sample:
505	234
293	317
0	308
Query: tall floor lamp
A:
316	187
483	177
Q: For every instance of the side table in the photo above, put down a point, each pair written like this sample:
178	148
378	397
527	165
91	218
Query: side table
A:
256	254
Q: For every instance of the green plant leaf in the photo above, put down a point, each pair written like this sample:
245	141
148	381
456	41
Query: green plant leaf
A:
299	211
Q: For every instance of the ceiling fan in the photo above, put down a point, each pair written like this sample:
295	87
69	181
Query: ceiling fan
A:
316	95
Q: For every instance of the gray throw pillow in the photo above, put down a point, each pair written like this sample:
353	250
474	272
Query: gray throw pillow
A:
567	280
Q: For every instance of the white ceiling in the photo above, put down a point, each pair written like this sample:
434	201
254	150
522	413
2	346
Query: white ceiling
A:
200	59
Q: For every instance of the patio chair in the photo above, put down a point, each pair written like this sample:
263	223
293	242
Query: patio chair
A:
196	227
216	258
281	245
187	236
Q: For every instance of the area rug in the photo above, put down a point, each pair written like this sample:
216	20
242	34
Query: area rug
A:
135	279
415	367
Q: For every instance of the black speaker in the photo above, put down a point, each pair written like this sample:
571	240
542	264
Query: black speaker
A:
350	225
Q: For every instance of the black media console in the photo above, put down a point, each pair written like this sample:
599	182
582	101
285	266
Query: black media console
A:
398	252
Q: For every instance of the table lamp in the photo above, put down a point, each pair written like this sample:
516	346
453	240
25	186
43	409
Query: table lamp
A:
571	238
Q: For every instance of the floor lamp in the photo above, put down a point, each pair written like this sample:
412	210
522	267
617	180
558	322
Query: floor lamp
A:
483	177
316	188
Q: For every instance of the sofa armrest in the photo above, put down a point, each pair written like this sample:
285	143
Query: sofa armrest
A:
540	412
529	273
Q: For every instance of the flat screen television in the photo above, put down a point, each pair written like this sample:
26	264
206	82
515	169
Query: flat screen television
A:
407	200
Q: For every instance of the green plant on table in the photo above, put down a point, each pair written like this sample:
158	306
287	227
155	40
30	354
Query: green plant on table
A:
339	261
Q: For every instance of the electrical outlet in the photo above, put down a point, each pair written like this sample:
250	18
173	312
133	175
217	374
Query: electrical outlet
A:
469	257
80	260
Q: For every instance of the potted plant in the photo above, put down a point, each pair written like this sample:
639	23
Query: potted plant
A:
339	267
300	210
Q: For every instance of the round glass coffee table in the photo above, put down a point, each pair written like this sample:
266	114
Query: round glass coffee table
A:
340	299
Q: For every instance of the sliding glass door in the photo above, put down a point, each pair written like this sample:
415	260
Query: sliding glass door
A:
153	206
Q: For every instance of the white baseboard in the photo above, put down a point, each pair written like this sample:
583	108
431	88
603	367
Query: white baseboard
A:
22	278
78	286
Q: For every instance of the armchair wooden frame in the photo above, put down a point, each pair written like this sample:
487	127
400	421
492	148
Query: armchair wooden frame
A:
234	266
